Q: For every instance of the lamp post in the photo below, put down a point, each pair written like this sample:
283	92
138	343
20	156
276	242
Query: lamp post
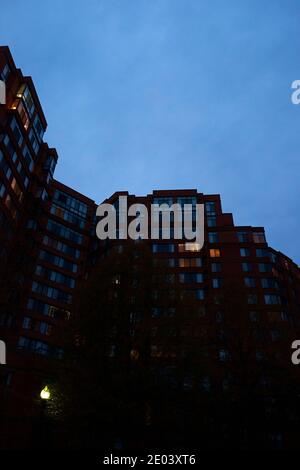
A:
45	396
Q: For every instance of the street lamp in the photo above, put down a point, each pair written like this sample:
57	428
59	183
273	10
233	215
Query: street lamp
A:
45	393
43	435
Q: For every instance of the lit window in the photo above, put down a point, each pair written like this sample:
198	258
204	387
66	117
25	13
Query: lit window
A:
214	253
190	262
189	247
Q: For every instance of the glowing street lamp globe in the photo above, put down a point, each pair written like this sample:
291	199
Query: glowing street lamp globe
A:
45	393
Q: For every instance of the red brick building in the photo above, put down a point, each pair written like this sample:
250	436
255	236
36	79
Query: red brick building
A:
48	242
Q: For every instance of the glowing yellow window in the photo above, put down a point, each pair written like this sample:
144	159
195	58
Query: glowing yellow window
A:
214	253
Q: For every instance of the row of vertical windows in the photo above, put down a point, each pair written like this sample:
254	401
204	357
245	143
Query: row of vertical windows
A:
191	277
58	261
70	203
33	141
5	72
17	132
25	152
51	292
55	276
257	237
41	327
46	309
260	253
39	347
64	232
181	262
63	247
67	216
4	166
25	94
262	267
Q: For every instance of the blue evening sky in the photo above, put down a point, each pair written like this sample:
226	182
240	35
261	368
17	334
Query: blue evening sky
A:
164	94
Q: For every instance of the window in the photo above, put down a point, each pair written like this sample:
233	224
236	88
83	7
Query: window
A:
164	262
216	267
210	208
259	237
214	253
252	299
190	262
275	335
219	317
67	216
16	131
213	237
163	200
205	384
242	237
6	320
217	283
46	309
38	347
249	282
163	248
58	261
50	165
269	283
188	247
211	221
51	292
23	115
70	203
28	158
28	101
64	232
272	299
191	277
26	323
262	253
5	72
199	294
31	224
254	316
60	246
33	141
259	356
38	128
246	267
2	190
224	355
244	252
55	276
265	268
4	166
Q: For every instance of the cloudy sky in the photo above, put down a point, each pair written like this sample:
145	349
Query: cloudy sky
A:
160	94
